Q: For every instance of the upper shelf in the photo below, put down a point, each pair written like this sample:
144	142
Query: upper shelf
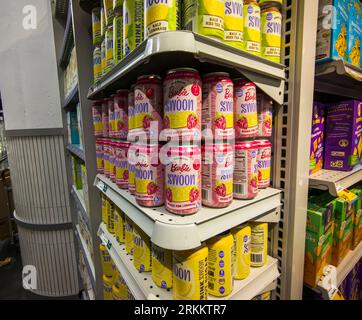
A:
173	49
72	99
339	78
176	232
68	42
335	181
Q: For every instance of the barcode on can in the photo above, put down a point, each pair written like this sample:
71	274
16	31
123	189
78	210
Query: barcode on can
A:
240	189
205	194
256	258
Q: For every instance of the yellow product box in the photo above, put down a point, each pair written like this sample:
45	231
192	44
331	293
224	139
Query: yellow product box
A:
141	250
161	267
318	244
190	280
241	254
357	218
258	244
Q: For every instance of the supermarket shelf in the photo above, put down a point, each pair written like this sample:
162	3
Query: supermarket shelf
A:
175	232
72	99
68	42
142	286
87	257
335	181
79	200
348	263
76	150
339	78
173	49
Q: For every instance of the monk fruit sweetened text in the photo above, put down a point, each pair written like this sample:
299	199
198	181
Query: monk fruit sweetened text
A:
132	25
118	37
218	105
117	5
128	239
217	175
103	23
161	267
148	106
205	17
220	258
121	114
246	170
245	109
259	244
149	175
182	98
241	264
265	115
161	16
271	33
141	250
190	274
252	36
183	179
264	163
122	173
234	23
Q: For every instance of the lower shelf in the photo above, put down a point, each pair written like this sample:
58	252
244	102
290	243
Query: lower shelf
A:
142	286
348	263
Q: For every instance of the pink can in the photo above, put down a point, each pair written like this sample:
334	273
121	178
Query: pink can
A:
183	179
150	176
182	104
265	114
245	109
112	159
218	105
106	152
148	105
246	170
97	118
111	129
122	164
217	175
105	118
99	155
264	163
131	115
121	114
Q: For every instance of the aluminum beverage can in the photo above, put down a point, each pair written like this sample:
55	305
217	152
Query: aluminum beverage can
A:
131	118
264	163
141	250
97	118
234	23
96	26
107	287
265	115
122	172
106	261
105	118
121	114
109	49
252	34
241	264
111	116
259	244
161	267
133	30
128	241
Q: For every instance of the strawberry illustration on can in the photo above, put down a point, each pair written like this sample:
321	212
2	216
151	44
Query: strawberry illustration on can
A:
265	115
122	173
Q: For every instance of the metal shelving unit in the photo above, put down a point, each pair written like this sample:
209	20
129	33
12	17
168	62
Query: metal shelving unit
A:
335	181
76	150
175	232
68	42
72	99
79	200
142	287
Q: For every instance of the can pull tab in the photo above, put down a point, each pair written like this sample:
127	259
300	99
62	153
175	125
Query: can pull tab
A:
328	282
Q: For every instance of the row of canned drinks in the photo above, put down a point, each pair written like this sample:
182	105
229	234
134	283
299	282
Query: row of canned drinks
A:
185	107
193	274
183	177
118	28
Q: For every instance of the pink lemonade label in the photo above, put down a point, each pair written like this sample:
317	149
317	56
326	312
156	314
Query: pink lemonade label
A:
246	171
183	180
112	161
97	120
264	163
131	178
131	118
149	177
106	151
148	106
105	119
99	155
265	115
182	105
121	115
122	172
111	117
218	106
217	175
246	113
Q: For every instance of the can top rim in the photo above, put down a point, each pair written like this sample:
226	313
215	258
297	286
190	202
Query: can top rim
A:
225	74
149	76
182	70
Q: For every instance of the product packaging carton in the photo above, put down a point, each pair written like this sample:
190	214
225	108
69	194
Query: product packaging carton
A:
318	241
343	227
354	33
332	34
317	140
343	144
357	219
77	173
73	133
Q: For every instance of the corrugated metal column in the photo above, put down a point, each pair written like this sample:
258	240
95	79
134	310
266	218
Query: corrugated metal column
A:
34	126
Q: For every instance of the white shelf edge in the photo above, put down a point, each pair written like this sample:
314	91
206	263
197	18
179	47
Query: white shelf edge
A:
348	263
142	286
87	257
174	232
81	205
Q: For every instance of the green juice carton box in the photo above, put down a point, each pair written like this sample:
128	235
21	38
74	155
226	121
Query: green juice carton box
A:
343	226
357	219
318	246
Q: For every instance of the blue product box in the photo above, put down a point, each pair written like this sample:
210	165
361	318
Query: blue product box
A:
73	133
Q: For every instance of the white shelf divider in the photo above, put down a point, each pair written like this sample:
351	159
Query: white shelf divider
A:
142	286
175	232
348	263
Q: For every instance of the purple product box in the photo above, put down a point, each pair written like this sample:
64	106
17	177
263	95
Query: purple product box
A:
343	145
317	140
344	288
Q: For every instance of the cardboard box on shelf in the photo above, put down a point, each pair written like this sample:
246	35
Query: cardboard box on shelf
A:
317	141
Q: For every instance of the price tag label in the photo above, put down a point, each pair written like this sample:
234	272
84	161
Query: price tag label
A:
347	195
102	186
106	242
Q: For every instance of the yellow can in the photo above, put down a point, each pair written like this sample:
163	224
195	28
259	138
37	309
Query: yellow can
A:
107	288
252	37
128	240
241	263
123	288
105	208
96	26
119	231
110	223
109	49
141	250
220	278
190	274
108	11
161	267
106	261
103	57
103	23
97	64
259	244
